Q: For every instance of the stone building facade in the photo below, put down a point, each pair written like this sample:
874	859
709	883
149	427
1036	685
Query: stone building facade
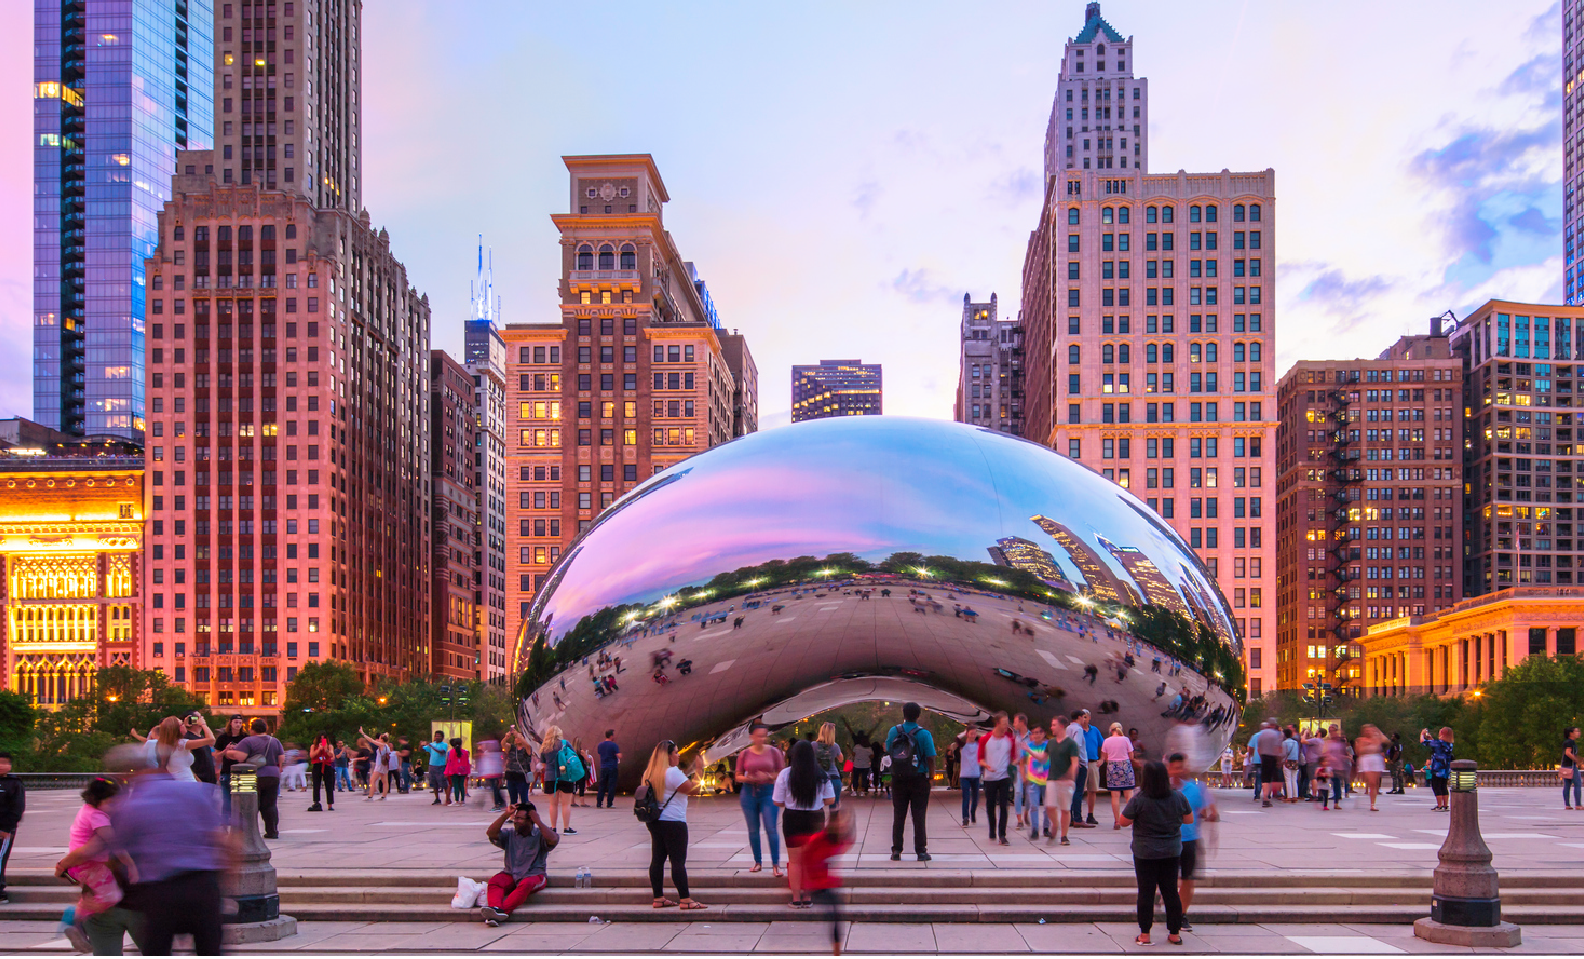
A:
454	650
990	379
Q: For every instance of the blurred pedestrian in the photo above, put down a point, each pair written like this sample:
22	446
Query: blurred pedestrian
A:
1157	814
1394	760
99	922
1570	769
172	831
668	832
819	877
757	768
263	752
1370	752
13	800
170	749
491	767
1186	781
911	749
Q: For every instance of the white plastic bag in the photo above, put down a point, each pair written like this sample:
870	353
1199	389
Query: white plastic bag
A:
470	893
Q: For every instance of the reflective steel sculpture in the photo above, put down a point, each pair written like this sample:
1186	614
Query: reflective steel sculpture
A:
877	558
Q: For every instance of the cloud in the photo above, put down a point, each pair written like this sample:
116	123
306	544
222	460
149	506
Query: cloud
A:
1479	166
920	286
1017	186
1538	74
1532	220
1334	291
865	196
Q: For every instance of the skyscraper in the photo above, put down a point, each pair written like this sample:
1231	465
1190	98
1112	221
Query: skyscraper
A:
1099	581
1572	152
455	650
1100	119
1157	370
288	366
120	86
990	369
634	376
836	388
486	362
1025	554
1367	452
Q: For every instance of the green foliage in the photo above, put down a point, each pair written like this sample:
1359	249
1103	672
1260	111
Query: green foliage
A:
1525	713
404	709
16	721
323	686
76	737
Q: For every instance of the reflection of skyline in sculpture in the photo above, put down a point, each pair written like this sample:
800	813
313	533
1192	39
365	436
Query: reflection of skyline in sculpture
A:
1025	554
1156	588
1099	581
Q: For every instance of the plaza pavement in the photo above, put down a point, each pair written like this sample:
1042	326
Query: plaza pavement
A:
1526	829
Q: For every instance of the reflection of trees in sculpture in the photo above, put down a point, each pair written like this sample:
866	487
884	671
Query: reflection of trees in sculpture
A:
1167	629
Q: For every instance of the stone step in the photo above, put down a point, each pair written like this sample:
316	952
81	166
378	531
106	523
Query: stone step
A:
1203	913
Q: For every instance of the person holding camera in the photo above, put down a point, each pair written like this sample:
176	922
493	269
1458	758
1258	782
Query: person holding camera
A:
527	842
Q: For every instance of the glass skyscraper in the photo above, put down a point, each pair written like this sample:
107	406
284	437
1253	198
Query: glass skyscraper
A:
120	85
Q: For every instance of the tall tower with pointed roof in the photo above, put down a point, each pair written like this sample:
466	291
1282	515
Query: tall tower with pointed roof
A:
1100	119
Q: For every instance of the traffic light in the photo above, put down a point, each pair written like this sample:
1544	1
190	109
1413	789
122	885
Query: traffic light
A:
445	695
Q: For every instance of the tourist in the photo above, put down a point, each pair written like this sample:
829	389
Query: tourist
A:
1312	746
829	756
911	750
517	765
100	921
609	766
1370	750
1225	782
203	756
998	753
1020	731
13	800
1093	782
562	770
1035	767
1292	762
1063	762
403	753
234	732
172	831
802	791
343	766
757	768
1117	753
862	759
1335	749
458	766
968	773
1157	814
819	878
1267	746
436	752
527	843
1204	810
322	758
1570	769
668	833
169	750
491	766
294	769
379	764
953	760
1322	782
1076	730
361	755
263	752
1439	767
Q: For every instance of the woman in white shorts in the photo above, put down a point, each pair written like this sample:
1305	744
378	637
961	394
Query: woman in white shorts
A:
1369	750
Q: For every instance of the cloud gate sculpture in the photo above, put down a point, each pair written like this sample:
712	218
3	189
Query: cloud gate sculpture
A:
877	558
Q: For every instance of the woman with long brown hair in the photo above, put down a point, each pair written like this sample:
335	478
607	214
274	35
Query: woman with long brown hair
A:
668	833
169	751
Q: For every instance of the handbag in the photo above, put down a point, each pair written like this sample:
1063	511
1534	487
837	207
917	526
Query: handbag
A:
1565	772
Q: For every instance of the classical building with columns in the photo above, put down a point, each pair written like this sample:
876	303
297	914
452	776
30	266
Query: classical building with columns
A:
1460	649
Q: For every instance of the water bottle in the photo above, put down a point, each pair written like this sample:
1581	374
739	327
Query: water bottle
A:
588	877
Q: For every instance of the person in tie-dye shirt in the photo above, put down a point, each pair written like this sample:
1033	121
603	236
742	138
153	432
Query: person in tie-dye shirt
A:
1036	770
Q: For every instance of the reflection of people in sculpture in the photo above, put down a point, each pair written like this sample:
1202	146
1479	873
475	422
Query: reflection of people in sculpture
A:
685	666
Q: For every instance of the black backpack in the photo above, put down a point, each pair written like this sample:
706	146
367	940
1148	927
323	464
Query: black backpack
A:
646	808
904	754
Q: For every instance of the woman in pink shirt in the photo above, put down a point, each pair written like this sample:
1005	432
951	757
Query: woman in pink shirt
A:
1116	751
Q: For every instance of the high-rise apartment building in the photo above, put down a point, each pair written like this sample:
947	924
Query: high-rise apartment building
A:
836	388
990	369
1368	507
1100	119
288	383
1521	480
745	383
632	379
119	87
1153	368
486	362
454	647
1572	151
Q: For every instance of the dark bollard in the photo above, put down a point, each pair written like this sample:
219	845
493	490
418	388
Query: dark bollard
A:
252	884
1466	907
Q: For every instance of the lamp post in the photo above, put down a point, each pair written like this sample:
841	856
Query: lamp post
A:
252	885
1465	909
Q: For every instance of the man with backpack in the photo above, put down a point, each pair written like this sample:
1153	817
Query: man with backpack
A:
911	750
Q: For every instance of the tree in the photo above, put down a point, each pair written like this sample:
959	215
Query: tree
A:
76	737
16	721
1524	714
323	686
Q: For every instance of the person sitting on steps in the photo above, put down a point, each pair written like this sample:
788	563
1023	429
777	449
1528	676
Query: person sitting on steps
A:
527	843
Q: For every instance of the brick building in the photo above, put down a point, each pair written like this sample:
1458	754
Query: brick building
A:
632	379
1368	512
990	384
454	613
837	388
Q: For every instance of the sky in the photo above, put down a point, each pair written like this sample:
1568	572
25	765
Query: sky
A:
843	173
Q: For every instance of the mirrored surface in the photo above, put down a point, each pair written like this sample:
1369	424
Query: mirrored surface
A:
877	558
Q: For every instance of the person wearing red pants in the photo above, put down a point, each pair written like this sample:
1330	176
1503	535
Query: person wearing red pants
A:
527	843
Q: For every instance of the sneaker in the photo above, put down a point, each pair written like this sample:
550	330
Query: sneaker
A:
492	916
435	803
924	857
965	822
1034	836
569	831
1064	841
316	808
1091	820
79	940
1005	841
896	857
1266	804
269	835
1186	924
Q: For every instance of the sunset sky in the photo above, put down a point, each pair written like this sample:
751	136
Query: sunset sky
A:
843	173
